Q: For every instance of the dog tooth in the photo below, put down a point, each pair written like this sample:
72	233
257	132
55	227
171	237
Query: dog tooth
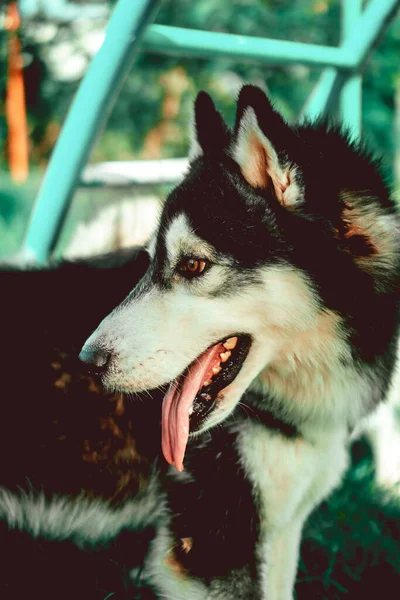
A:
216	370
225	355
230	343
206	383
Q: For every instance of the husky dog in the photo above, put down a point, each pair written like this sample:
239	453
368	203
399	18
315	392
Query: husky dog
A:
274	270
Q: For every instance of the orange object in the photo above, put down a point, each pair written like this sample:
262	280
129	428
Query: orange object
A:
17	143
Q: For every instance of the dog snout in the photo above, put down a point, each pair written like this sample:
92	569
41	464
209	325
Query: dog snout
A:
96	359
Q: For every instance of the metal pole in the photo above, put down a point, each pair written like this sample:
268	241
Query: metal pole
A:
323	99
360	31
206	44
364	34
192	42
87	115
351	94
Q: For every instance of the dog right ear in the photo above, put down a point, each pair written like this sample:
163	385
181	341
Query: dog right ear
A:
210	133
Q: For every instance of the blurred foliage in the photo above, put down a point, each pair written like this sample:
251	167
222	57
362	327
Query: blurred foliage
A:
151	114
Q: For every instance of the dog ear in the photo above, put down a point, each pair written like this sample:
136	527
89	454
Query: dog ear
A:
369	232
210	133
259	160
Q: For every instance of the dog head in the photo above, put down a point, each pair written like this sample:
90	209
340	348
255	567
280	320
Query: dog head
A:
262	259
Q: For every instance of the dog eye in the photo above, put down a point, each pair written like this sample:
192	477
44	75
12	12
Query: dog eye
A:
191	267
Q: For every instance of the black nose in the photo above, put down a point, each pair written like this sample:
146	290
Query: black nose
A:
96	359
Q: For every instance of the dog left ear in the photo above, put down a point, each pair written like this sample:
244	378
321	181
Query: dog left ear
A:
254	152
210	133
369	232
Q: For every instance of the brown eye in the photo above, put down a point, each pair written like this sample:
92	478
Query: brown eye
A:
192	266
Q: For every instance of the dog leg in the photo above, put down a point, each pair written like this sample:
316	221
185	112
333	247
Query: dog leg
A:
282	554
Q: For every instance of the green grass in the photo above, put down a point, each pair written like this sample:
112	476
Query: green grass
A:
351	544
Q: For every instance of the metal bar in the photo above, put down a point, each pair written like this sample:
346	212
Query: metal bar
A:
351	55
323	99
85	119
128	173
367	30
351	94
194	43
351	105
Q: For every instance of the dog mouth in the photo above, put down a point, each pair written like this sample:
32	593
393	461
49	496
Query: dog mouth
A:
193	395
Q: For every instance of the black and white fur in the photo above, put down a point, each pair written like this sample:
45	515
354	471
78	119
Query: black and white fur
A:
302	241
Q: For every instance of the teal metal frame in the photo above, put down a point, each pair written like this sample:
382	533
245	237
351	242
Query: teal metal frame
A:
351	94
129	29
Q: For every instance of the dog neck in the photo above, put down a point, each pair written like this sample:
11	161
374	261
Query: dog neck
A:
313	376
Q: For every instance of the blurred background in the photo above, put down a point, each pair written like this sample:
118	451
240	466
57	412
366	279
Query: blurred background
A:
150	118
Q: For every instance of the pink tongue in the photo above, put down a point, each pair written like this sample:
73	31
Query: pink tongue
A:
177	402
